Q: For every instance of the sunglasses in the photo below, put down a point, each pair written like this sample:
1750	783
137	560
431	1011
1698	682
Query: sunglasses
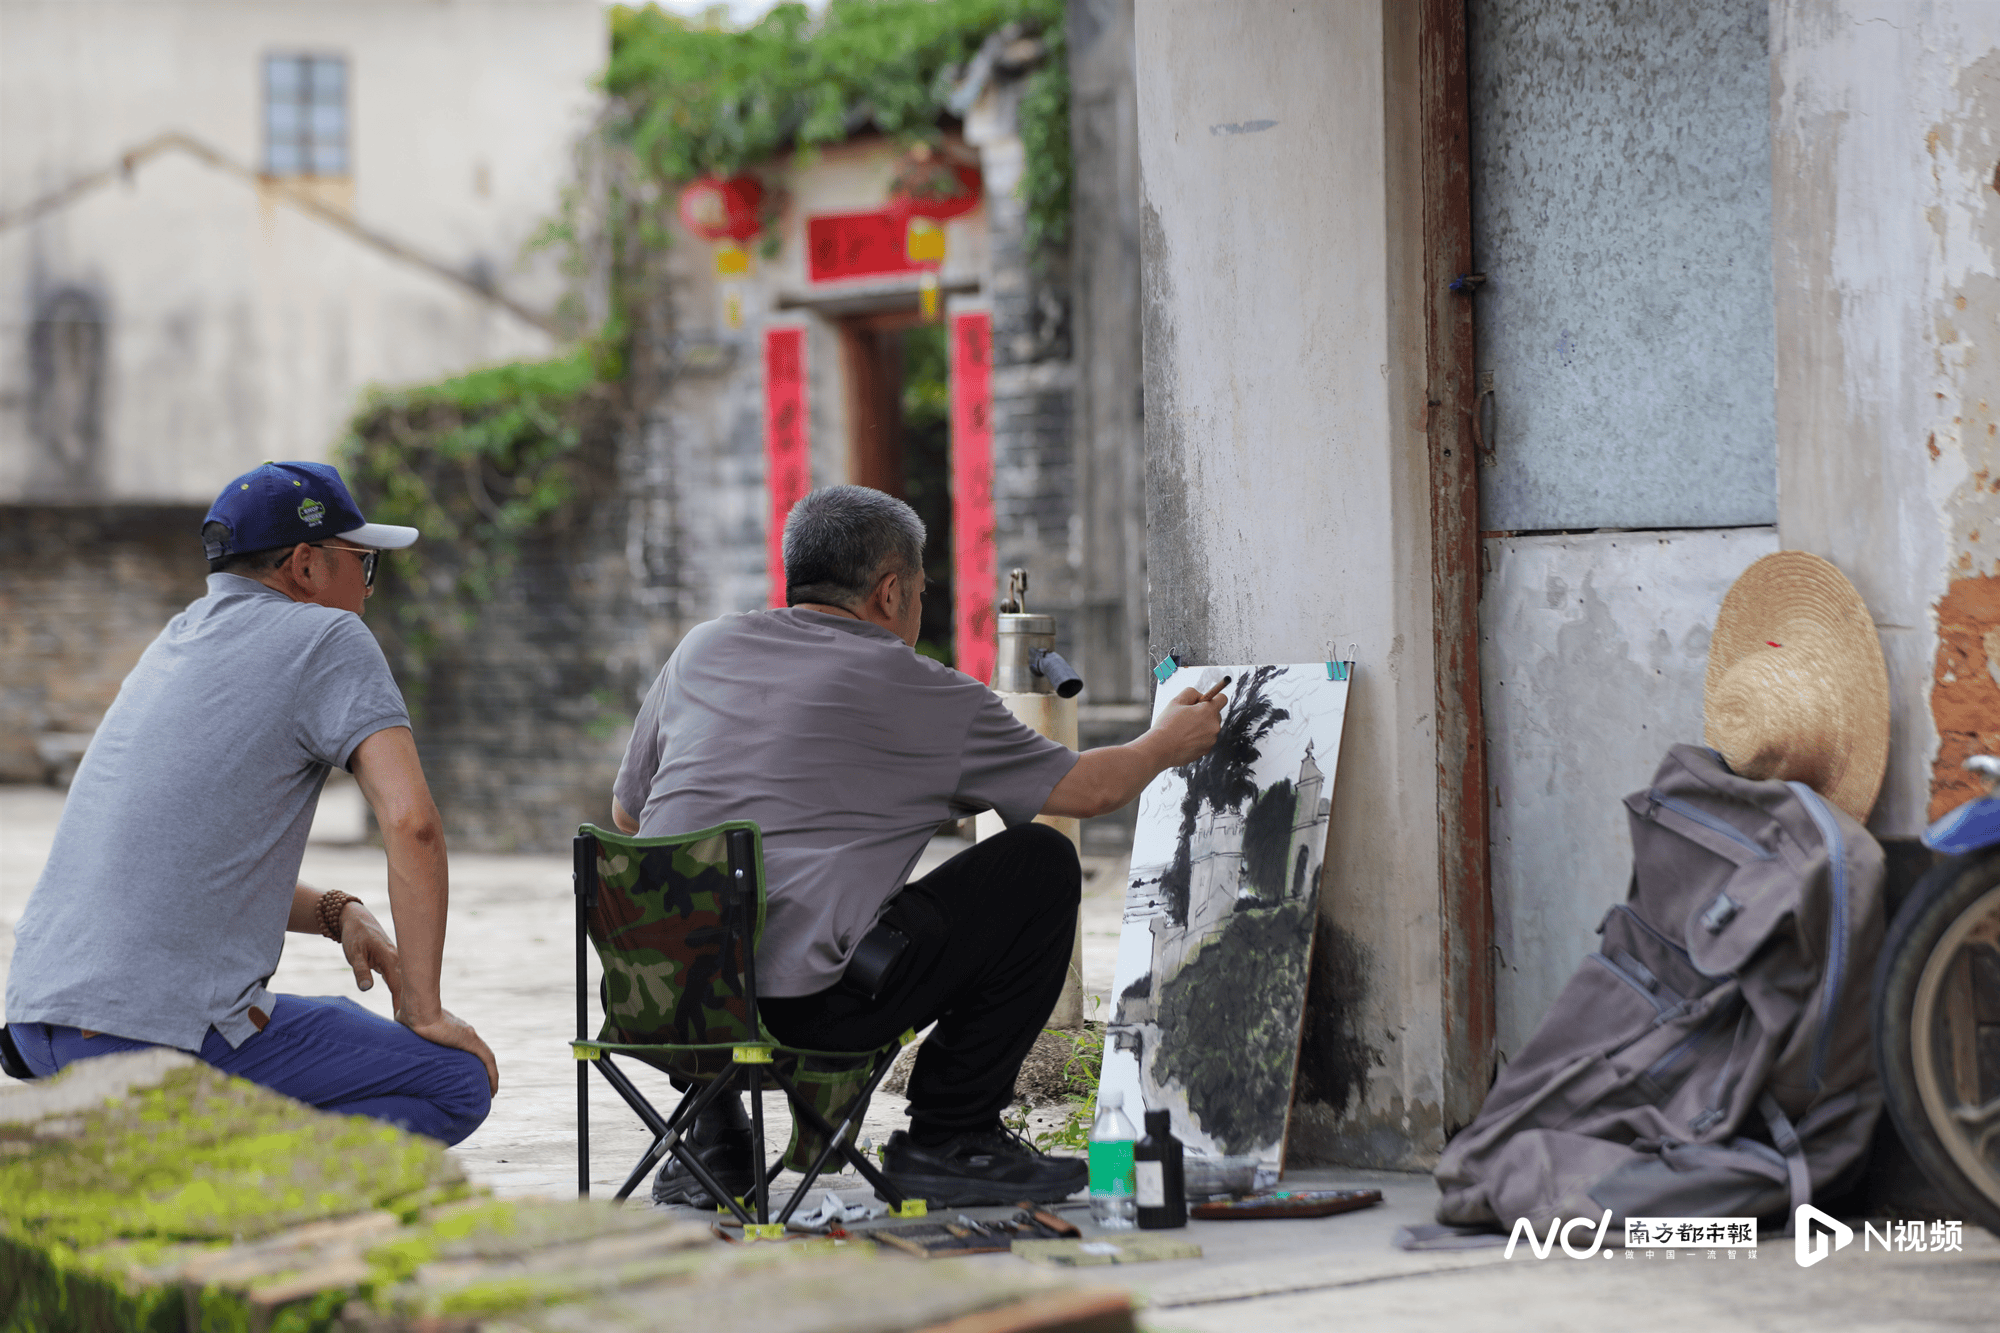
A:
368	559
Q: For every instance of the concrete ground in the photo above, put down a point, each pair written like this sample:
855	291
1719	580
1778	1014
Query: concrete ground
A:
509	971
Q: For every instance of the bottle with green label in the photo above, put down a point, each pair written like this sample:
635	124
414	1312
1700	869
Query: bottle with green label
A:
1111	1138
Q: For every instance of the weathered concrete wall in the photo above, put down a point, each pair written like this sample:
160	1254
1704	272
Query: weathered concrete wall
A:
1621	203
1593	650
1885	131
1038	524
215	325
1110	417
1286	475
1621	192
82	592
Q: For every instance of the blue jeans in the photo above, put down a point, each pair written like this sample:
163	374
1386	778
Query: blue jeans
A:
326	1051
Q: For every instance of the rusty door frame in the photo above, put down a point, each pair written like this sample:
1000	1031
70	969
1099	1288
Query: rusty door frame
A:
1464	885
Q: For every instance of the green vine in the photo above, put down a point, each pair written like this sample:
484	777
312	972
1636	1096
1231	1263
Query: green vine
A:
694	100
1044	127
474	463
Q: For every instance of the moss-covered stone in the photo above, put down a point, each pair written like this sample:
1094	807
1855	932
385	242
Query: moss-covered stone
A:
149	1192
123	1175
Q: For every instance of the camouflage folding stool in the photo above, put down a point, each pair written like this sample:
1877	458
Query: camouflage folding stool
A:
675	922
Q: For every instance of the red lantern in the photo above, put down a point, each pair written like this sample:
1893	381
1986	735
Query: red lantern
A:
723	210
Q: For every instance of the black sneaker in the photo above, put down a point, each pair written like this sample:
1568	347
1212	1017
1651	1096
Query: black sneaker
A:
728	1156
981	1166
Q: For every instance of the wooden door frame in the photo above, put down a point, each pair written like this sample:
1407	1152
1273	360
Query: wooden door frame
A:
1464	879
871	390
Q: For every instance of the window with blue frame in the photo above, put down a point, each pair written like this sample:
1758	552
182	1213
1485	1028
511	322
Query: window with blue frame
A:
305	115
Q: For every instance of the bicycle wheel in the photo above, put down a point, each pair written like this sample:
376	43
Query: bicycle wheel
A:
1937	1030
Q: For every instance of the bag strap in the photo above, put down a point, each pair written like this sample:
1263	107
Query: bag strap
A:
1786	1140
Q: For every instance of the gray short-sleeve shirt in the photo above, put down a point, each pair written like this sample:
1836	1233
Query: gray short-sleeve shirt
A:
846	748
162	908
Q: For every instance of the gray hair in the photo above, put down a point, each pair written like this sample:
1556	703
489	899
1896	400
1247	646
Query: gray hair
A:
840	539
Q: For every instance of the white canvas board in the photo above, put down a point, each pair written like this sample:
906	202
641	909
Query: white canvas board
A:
1209	991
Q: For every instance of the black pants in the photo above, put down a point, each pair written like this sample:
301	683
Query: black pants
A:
990	935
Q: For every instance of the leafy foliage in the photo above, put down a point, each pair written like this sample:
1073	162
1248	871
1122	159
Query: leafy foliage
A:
1082	1068
1044	125
694	100
474	462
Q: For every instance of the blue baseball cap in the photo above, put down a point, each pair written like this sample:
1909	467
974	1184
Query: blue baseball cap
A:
283	504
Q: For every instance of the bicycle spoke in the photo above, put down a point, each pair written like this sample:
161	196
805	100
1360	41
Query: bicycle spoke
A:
1981	1117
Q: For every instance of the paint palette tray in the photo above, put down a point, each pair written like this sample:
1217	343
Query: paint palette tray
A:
1287	1203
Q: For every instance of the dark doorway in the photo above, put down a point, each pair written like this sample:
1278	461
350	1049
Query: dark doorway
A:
899	440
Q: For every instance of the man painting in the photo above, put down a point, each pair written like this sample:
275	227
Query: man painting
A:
819	722
163	907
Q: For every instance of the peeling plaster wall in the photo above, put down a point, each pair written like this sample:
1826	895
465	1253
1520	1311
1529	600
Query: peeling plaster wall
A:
1592	654
1885	136
1287	484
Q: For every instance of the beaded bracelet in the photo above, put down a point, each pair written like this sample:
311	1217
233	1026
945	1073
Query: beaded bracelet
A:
331	904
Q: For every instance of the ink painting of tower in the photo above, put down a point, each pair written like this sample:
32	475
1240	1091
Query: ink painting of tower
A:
1219	910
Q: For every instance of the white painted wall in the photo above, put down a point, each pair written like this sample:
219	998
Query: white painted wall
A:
241	329
1287	482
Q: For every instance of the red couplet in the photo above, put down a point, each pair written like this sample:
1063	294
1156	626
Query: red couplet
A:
787	467
974	578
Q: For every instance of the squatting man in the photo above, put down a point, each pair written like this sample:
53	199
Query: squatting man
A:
819	722
163	907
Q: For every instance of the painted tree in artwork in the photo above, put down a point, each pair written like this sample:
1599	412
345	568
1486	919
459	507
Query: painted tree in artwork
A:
1267	839
1221	779
1233	1013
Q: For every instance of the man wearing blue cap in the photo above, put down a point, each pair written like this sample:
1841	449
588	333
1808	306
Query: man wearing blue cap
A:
162	910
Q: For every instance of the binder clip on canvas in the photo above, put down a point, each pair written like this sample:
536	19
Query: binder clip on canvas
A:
1170	663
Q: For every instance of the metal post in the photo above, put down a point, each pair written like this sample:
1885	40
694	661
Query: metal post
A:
583	886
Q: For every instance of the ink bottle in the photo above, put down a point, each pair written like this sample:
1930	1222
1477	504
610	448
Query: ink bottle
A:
1159	1185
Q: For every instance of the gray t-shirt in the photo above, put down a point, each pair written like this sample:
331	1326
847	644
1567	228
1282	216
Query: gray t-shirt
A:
846	748
162	908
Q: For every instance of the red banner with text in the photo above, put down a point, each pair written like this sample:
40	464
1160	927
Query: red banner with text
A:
787	461
974	577
857	245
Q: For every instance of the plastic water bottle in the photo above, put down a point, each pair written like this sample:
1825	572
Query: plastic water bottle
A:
1111	1202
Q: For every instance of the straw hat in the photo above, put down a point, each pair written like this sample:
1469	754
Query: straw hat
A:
1796	685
